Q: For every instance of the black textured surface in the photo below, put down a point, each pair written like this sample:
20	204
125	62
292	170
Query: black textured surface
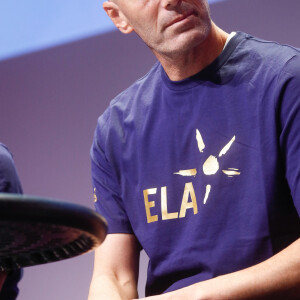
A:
36	231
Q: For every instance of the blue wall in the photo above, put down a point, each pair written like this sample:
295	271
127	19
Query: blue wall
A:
33	25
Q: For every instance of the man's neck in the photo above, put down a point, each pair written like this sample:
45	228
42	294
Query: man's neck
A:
179	67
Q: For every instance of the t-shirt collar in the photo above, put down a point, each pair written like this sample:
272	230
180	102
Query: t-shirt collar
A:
232	41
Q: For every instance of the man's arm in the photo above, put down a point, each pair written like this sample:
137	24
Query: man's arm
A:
275	278
116	268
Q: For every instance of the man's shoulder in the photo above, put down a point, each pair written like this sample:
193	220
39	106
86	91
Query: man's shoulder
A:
271	51
263	60
136	93
148	81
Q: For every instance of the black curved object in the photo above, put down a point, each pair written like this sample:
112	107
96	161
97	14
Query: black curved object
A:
35	230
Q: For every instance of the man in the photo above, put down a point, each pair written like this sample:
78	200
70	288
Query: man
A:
198	163
9	183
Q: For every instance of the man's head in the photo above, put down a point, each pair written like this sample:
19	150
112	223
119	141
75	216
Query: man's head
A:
166	26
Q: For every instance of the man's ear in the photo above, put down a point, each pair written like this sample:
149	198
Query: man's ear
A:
120	21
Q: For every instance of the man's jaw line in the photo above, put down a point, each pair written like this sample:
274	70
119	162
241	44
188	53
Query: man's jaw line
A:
176	65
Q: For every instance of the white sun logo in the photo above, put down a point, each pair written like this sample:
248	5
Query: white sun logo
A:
211	165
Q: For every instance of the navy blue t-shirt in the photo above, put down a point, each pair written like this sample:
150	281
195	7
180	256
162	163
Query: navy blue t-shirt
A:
9	183
205	171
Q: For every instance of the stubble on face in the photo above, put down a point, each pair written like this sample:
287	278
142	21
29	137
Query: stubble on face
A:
185	34
170	31
180	33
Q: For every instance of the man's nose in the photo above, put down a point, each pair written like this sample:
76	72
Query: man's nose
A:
169	4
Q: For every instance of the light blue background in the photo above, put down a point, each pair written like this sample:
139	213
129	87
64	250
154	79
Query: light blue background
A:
32	25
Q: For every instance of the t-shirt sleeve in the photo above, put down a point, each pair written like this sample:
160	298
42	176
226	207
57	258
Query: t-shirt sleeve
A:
107	192
289	115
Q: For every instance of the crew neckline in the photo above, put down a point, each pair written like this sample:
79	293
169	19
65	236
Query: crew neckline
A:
230	36
208	71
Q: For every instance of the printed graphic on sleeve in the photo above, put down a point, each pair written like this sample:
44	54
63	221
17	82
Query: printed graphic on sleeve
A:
211	166
95	196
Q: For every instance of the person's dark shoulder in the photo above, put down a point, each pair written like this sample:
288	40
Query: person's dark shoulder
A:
6	159
9	179
6	164
9	183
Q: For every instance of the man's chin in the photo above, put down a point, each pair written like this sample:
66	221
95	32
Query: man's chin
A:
184	42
